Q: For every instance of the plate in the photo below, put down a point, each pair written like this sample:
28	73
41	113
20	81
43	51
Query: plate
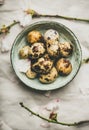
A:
65	35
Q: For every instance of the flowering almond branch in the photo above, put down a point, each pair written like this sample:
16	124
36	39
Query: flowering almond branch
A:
61	17
5	29
53	121
34	14
37	15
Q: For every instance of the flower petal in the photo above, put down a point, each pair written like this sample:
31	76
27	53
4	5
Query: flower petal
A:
53	105
4	126
45	125
23	65
5	45
47	94
25	4
25	19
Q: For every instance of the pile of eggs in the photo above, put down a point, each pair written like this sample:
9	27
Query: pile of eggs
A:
48	56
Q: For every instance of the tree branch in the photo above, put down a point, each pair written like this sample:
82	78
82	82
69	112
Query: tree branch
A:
5	29
85	60
53	121
36	15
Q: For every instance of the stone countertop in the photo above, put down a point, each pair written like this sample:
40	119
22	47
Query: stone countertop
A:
73	98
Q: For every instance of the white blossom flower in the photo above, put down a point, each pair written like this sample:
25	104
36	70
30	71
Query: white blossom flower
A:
23	16
23	65
4	126
53	105
5	43
47	94
47	111
24	19
45	124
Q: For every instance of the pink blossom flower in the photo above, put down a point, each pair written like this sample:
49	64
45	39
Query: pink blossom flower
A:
49	111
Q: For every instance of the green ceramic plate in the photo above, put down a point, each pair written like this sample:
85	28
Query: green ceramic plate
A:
65	35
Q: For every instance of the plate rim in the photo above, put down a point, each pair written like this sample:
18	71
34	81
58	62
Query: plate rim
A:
44	22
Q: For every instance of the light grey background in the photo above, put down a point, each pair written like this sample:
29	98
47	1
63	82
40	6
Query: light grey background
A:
74	98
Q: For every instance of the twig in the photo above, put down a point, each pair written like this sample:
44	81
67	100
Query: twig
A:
85	60
5	29
36	15
53	121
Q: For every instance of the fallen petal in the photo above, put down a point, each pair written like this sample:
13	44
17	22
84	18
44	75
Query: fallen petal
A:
24	4
4	126
47	94
25	19
5	47
53	105
45	125
23	65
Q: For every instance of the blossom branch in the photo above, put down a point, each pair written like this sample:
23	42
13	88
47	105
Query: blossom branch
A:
61	17
53	121
37	15
34	14
5	29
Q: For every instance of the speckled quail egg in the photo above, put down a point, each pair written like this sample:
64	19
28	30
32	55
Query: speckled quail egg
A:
36	50
51	36
24	52
64	66
53	49
43	65
34	36
66	49
50	77
31	74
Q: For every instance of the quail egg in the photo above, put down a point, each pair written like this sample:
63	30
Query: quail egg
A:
24	52
43	65
36	50
53	49
34	36
51	36
66	49
64	66
50	77
31	74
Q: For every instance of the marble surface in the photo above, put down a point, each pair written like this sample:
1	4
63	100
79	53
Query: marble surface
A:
73	98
